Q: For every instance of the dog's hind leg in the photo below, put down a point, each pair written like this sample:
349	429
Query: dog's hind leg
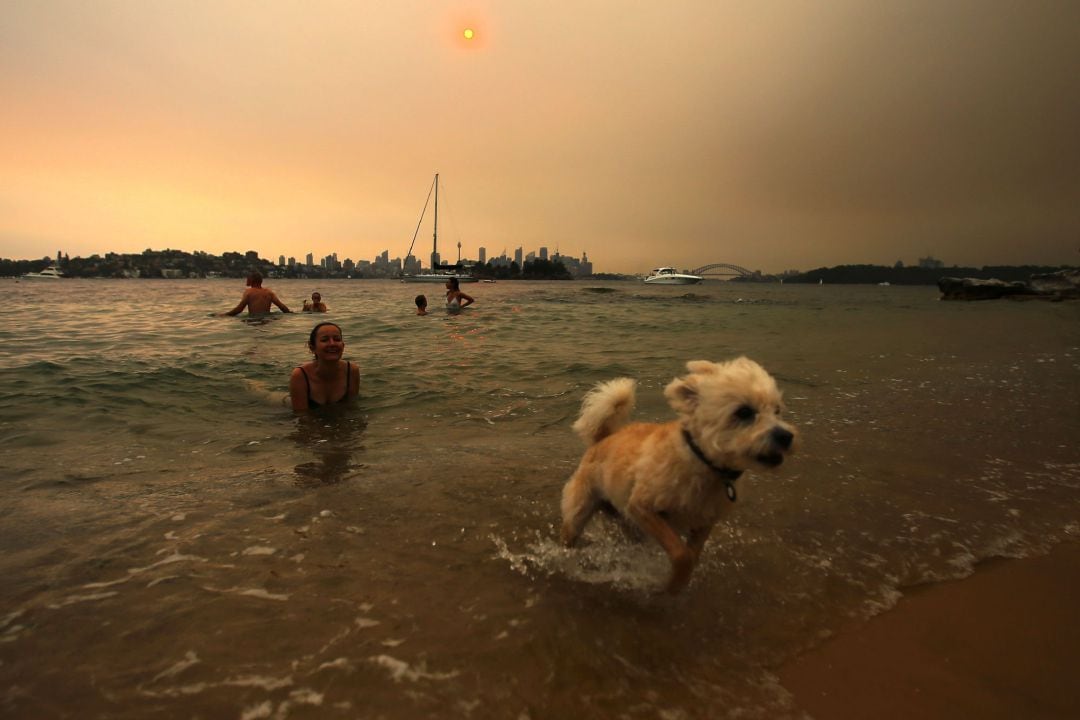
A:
579	502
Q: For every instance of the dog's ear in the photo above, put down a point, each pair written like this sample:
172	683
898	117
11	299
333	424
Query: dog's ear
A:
682	393
702	367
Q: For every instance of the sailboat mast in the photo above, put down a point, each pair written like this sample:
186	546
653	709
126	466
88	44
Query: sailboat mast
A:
435	233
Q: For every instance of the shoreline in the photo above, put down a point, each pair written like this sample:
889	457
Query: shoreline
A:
1001	643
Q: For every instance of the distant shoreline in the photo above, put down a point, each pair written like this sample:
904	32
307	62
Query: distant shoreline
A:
839	275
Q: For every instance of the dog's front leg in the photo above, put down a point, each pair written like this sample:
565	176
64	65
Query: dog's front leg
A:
696	540
681	556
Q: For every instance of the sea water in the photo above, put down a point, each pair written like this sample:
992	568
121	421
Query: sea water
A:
174	542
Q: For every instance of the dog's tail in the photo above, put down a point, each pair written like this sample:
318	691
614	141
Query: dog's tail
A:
605	409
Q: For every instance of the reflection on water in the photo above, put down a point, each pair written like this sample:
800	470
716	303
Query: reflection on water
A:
261	318
334	436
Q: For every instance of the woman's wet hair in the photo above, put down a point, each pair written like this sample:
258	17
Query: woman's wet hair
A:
453	284
315	332
421	301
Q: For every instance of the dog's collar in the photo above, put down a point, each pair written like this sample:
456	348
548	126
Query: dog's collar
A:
728	475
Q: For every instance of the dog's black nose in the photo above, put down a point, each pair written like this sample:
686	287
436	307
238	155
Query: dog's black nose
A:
782	437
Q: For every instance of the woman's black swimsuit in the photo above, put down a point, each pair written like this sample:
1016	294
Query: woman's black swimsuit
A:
348	379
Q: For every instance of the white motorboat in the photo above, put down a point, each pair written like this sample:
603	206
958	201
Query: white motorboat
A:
438	273
437	277
671	276
49	273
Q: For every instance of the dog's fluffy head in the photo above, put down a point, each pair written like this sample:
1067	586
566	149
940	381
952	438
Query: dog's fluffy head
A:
732	410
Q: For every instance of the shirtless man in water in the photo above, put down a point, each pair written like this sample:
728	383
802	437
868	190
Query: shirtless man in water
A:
256	298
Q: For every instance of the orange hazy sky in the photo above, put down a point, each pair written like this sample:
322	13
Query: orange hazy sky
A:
772	135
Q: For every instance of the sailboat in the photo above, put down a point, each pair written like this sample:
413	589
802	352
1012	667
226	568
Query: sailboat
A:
440	272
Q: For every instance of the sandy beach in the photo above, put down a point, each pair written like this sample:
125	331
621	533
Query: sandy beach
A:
1003	643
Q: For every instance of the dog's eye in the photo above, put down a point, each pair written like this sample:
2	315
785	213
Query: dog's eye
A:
745	412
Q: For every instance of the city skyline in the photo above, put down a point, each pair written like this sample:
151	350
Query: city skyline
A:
576	266
771	135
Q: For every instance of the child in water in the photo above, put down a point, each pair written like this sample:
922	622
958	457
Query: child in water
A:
421	305
316	304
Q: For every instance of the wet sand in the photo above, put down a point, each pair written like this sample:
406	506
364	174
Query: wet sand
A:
1003	643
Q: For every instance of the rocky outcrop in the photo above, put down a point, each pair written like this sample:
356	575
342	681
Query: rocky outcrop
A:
1064	284
975	289
1061	285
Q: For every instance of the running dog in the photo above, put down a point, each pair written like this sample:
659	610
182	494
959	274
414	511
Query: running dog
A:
679	476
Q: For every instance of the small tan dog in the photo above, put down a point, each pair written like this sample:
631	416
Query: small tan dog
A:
678	476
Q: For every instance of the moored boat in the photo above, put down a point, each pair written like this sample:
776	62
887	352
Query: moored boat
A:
439	273
49	273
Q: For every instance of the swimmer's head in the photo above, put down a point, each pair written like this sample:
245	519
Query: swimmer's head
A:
452	283
421	301
255	279
316	297
315	334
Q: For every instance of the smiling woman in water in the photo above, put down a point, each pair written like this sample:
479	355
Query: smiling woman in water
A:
325	379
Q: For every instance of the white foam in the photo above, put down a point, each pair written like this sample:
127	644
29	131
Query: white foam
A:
341	663
604	559
72	599
259	550
401	670
132	572
11	634
190	658
257	681
258	712
306	697
110	583
248	592
11	617
174	558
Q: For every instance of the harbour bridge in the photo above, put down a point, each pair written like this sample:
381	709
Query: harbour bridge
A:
722	269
